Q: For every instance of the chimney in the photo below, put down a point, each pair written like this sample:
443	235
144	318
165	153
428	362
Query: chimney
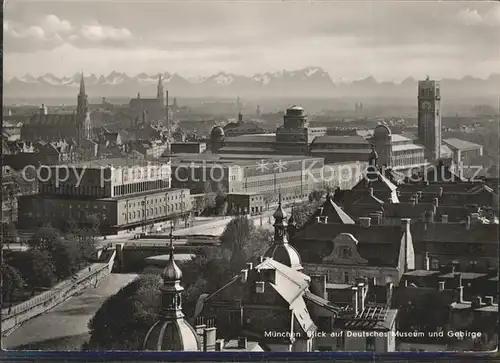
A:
488	300
416	197
435	202
441	285
259	287
376	218
209	338
219	345
320	209
242	343
355	300
325	219
427	261
460	294
244	276
249	266
388	292
261	259
405	283
467	223
413	201
420	194
444	218
361	296
364	221
318	219
200	330
440	193
476	302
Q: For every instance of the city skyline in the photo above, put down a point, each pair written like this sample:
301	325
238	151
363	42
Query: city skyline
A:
390	41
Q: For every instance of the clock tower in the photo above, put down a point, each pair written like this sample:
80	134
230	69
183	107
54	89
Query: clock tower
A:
429	118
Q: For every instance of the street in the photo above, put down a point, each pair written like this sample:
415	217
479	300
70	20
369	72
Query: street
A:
209	226
65	326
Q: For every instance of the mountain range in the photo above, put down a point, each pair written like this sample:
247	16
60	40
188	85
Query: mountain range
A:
307	82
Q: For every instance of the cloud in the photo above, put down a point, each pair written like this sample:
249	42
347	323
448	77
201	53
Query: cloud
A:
469	17
51	32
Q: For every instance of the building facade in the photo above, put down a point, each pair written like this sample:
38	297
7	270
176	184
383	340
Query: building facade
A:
121	193
429	118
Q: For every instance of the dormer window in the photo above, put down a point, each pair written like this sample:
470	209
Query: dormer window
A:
345	252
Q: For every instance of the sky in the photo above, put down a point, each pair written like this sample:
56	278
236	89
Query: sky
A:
351	40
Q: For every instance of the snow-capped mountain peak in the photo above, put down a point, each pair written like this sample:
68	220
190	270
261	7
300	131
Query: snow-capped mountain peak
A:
222	78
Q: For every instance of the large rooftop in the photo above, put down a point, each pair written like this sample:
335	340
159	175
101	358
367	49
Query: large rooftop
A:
462	145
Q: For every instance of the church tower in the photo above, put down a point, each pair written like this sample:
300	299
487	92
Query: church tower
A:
281	250
171	332
83	113
429	118
159	90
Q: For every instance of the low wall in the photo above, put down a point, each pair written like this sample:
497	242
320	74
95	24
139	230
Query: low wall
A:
42	303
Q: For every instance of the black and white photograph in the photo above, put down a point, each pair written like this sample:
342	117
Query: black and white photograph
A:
250	176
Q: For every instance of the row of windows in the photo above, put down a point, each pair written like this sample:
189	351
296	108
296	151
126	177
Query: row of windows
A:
66	189
406	158
154	212
140	187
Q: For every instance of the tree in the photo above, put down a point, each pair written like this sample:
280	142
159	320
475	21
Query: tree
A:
12	282
315	195
303	211
66	258
37	268
44	237
124	319
140	301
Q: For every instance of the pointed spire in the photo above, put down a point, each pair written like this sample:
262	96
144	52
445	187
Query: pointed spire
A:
82	84
280	223
172	273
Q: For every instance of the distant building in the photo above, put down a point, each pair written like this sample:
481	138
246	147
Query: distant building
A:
286	310
150	109
464	152
121	193
53	127
294	176
429	118
187	147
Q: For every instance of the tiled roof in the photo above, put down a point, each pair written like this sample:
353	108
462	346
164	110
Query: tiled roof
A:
373	317
331	210
462	145
453	232
406	210
52	119
379	244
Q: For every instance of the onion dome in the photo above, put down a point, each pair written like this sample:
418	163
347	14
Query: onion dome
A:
281	251
284	253
217	133
171	332
173	336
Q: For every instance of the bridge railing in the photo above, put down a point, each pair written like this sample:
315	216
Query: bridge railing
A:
16	315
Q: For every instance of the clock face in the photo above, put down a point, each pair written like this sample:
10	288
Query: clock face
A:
426	105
